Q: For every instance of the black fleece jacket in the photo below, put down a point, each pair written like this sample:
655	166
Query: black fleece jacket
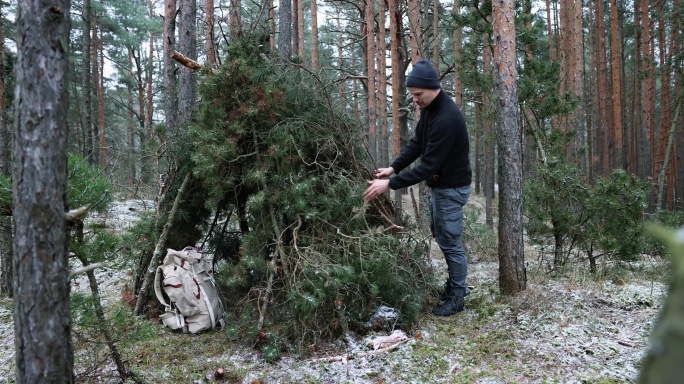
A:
441	141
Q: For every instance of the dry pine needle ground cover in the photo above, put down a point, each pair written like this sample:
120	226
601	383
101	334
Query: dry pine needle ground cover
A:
573	328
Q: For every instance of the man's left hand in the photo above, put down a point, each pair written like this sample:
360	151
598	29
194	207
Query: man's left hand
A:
377	187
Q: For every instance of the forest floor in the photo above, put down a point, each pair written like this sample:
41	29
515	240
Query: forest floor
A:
568	328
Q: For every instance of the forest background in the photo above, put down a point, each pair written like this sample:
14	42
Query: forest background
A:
581	102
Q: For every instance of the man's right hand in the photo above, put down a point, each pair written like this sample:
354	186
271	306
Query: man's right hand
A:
381	173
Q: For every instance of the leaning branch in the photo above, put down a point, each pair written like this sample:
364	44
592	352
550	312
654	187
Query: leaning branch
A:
186	61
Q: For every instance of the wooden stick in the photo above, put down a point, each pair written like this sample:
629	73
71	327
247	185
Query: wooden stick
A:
186	61
361	354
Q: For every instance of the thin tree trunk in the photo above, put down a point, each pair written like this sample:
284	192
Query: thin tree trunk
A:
272	25
602	127
314	37
435	34
648	91
381	59
488	134
86	86
170	82
187	43
131	132
301	52
6	270
635	147
512	274
159	249
666	155
209	38
678	172
285	29
149	73
552	49
458	87
42	318
663	136
415	34
616	94
369	37
396	59
95	85
98	74
295	26
235	25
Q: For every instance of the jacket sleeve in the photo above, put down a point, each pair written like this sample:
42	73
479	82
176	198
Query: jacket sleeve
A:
408	155
440	141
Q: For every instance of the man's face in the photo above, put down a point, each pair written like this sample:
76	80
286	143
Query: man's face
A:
422	96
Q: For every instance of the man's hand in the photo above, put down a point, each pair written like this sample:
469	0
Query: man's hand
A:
377	187
381	173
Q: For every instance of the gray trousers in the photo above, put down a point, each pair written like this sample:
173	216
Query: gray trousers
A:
446	211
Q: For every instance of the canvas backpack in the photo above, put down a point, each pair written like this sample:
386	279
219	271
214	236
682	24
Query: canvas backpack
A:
194	302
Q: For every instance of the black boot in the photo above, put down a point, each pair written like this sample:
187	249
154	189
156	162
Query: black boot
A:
451	305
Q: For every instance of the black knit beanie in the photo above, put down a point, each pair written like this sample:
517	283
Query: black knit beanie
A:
423	75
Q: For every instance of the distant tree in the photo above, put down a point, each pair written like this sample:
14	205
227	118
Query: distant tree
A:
170	80
285	28
42	320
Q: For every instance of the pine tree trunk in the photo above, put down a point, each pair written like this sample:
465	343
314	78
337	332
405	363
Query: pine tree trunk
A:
300	29
415	34
549	32
635	148
369	38
187	43
235	25
678	173
98	80
209	38
170	82
663	132
648	91
149	73
6	270
133	169
314	37
285	28
616	94
42	319
86	86
603	136
488	137
458	87
381	59
512	274
295	27
397	70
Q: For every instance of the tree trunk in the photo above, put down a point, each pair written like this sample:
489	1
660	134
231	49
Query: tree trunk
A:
616	94
603	144
415	32
187	43
678	173
512	274
314	37
149	73
397	70
663	131
435	35
381	59
285	29
209	38
86	86
235	25
458	87
6	271
549	24
369	38
170	82
300	29
98	80
488	134
42	319
648	91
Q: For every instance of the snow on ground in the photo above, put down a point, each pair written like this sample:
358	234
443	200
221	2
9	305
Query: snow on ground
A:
562	329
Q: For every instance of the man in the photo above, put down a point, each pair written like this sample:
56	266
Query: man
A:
441	142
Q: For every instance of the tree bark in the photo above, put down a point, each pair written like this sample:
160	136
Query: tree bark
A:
98	80
86	87
648	91
369	38
209	38
381	59
285	29
42	320
616	95
315	66
458	87
170	82
187	43
512	274
397	70
300	29
6	271
602	127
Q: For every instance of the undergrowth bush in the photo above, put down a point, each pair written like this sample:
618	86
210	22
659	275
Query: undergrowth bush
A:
603	219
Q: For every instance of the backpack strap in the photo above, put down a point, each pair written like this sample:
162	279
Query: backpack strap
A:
157	287
207	301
